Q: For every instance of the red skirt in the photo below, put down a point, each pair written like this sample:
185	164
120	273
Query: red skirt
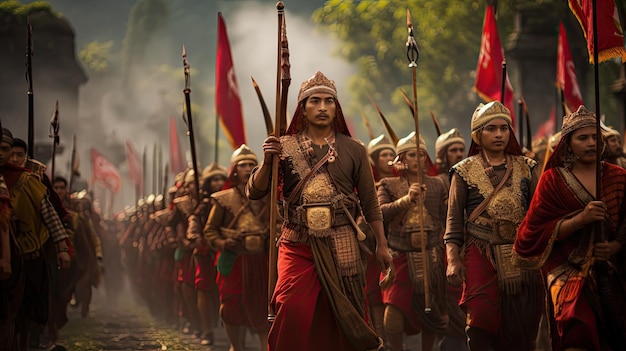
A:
298	301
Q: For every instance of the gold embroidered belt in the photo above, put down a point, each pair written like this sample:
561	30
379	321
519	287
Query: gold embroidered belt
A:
318	216
498	233
252	242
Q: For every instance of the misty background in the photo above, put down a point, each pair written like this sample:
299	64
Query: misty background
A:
131	54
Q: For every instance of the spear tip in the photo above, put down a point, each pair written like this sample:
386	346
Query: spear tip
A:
184	51
254	82
409	22
280	6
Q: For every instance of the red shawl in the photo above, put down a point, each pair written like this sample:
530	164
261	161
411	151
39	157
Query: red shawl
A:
554	201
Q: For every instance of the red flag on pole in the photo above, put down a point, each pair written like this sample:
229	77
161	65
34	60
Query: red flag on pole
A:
135	168
546	129
227	102
177	161
610	32
105	172
566	73
488	83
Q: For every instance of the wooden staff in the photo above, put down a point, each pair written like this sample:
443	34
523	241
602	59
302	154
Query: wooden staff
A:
412	55
283	80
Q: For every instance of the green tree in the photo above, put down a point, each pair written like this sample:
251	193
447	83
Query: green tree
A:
97	56
373	35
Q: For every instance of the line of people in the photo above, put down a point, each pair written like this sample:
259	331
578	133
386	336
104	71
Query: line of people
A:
483	252
51	251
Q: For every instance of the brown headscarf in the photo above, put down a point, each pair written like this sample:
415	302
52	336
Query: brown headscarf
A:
315	85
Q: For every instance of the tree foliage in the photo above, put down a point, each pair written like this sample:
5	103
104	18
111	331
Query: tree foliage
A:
373	36
97	56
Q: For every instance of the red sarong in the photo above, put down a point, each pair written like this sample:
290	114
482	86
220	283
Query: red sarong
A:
205	271
400	294
481	294
299	302
243	293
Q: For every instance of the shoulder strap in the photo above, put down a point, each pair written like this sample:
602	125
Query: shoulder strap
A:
483	205
239	212
298	188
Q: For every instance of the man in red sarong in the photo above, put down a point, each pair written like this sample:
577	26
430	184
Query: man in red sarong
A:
213	179
489	194
558	236
412	210
325	175
238	228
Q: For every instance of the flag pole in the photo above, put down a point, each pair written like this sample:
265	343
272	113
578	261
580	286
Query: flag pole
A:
615	337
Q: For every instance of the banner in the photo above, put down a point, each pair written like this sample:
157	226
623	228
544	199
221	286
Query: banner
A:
177	160
135	168
566	73
546	129
105	172
227	102
488	83
610	32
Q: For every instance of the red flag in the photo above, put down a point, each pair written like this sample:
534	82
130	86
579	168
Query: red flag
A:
227	102
610	33
546	129
566	73
488	83
105	172
135	167
177	161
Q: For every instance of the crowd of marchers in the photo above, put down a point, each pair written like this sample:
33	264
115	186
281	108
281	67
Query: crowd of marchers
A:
485	246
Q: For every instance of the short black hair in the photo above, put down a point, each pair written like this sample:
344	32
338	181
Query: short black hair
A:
59	179
17	142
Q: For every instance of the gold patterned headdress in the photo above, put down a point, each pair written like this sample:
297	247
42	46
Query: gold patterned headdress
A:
408	143
213	170
379	143
580	119
446	139
243	153
315	85
487	113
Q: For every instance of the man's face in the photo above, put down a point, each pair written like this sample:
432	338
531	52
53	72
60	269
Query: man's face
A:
244	169
455	153
495	136
60	188
5	153
19	156
217	183
319	110
614	145
384	158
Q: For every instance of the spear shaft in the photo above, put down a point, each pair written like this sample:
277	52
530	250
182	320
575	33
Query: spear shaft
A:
192	142
31	95
54	134
413	55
